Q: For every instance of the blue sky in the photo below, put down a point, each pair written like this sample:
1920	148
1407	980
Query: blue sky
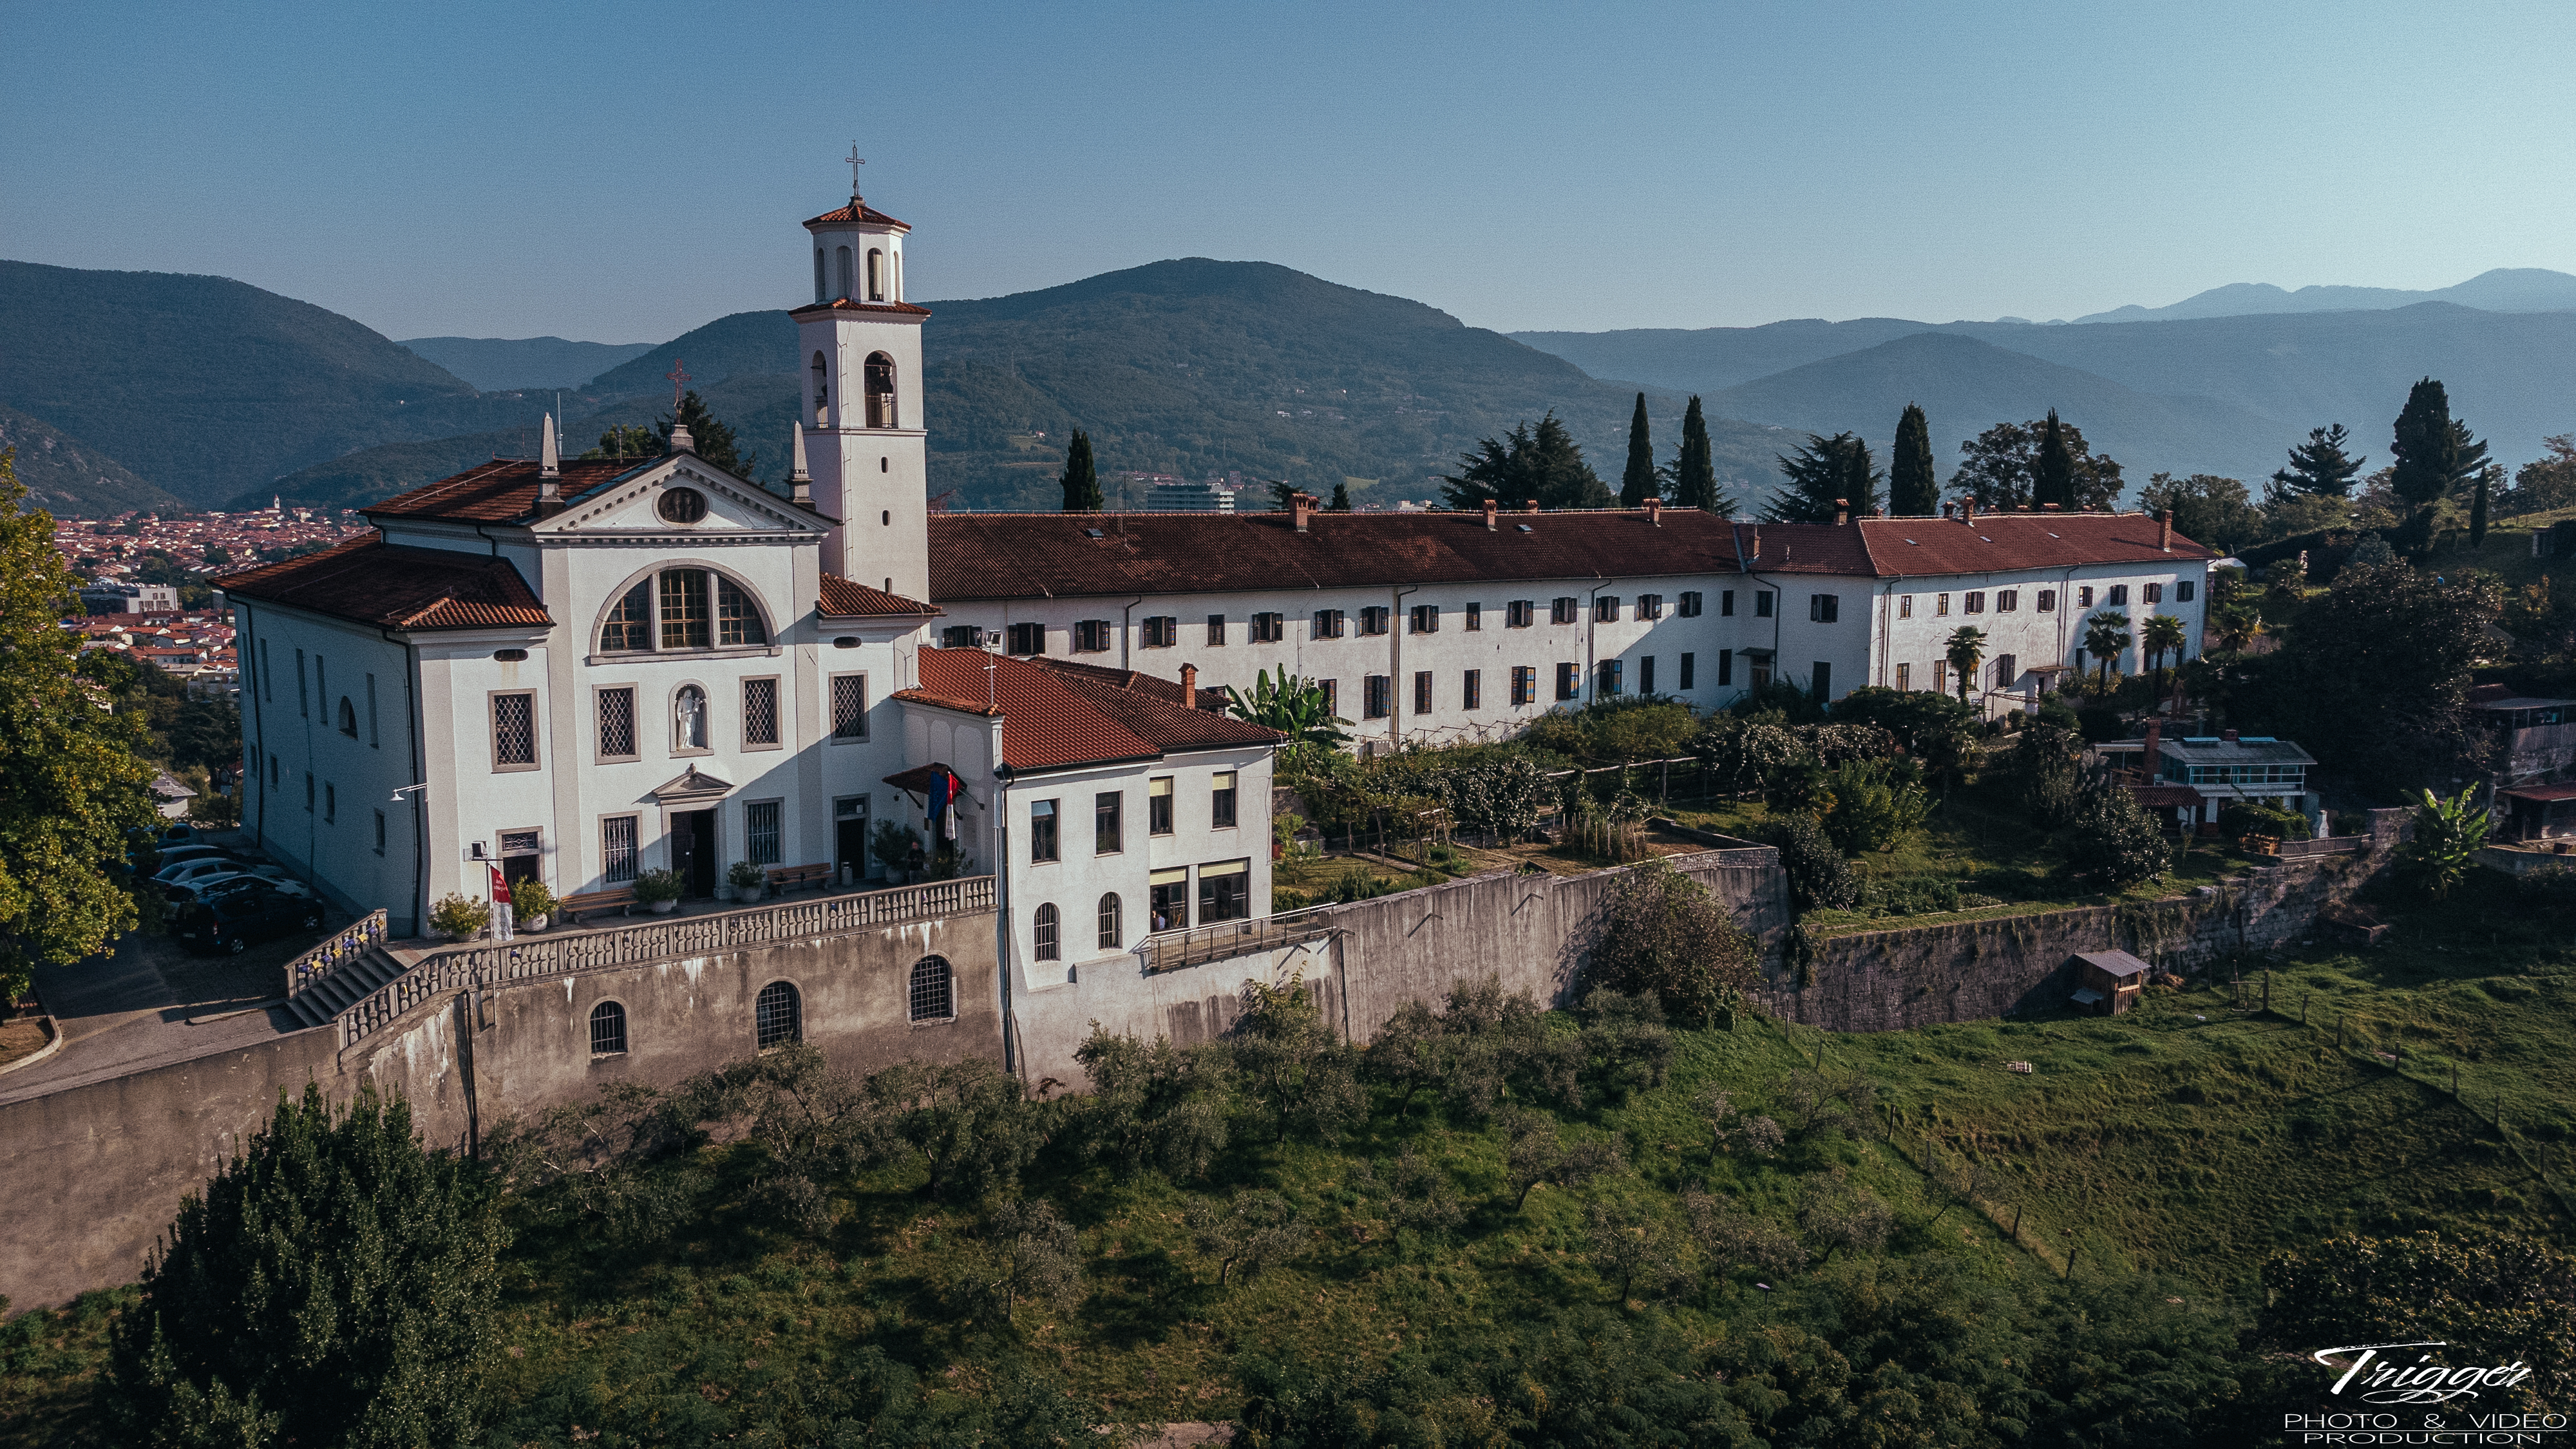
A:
623	172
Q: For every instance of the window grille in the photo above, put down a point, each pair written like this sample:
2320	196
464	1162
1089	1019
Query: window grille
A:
932	999
737	618
849	706
607	1030
778	1017
522	842
760	711
760	832
684	610
514	729
617	850
1050	937
1111	934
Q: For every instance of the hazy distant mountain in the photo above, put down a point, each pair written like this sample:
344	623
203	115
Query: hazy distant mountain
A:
1184	367
2506	289
67	478
211	388
1966	385
498	364
1709	359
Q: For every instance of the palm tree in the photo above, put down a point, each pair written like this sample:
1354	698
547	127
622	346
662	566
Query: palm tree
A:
1966	651
2105	637
2163	635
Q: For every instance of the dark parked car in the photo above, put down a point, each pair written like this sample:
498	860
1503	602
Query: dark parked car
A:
181	854
233	920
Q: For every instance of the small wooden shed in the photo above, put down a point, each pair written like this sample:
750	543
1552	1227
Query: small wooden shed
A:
2107	982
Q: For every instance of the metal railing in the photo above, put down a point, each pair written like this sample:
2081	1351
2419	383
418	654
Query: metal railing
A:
536	957
1198	945
310	969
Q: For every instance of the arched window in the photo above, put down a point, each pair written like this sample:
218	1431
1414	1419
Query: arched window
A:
880	385
933	994
607	1030
876	275
689	718
348	718
1110	924
777	1016
819	284
844	260
695	608
822	394
1050	935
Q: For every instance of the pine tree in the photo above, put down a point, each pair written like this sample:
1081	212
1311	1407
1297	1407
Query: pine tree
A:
2468	456
2053	475
1824	470
2320	465
1081	479
1538	462
1639	484
709	437
1694	469
1341	499
2427	449
1913	486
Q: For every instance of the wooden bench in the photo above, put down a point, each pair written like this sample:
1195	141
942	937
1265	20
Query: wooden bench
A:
575	907
791	877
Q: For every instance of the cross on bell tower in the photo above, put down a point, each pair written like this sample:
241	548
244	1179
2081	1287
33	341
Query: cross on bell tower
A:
856	161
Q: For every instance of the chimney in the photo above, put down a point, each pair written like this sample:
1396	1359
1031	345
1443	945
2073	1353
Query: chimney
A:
1842	512
1490	508
549	473
2048	508
1189	686
1949	510
1531	506
1302	507
1655	512
800	483
1757	541
1968	511
1878	512
2164	530
2229	736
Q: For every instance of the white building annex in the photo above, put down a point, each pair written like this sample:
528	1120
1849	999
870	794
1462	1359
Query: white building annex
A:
1447	626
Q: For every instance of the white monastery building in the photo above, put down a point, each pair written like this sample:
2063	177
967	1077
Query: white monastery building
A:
581	670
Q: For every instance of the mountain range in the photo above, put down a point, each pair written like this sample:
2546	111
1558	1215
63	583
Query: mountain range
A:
128	389
2506	289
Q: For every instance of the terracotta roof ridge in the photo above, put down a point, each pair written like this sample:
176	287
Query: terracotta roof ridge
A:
945	701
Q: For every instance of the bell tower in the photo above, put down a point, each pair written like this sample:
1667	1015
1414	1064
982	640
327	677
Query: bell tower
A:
860	345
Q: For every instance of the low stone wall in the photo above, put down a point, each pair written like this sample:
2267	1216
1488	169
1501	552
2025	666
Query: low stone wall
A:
99	1170
1530	930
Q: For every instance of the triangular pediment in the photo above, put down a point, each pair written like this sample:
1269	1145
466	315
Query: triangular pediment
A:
693	784
683	496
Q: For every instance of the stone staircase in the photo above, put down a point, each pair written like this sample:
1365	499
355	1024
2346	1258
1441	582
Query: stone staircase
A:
360	977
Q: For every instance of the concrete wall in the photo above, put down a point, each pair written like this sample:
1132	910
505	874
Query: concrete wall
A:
106	1164
1531	930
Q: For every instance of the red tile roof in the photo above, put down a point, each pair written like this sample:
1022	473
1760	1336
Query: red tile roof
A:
501	491
859	211
372	582
852	304
850	599
1023	555
1054	555
1053	720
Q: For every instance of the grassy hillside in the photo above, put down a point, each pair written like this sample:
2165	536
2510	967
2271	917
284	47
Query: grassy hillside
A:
1185	367
2153	1158
210	388
66	477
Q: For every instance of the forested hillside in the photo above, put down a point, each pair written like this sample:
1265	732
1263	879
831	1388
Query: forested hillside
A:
65	476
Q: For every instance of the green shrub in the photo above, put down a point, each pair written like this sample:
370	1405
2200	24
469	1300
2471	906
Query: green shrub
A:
2239	819
1820	879
2114	839
460	916
1872	805
2550	888
660	885
1921	896
1662	934
530	897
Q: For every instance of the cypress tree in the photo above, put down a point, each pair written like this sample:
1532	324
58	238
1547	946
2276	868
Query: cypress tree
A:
1081	479
1341	499
1638	483
2478	513
2053	477
1694	467
1913	489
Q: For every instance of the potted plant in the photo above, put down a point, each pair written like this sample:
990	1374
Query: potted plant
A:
660	889
747	878
531	904
459	918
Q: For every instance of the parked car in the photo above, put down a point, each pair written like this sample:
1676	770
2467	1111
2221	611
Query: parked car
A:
188	870
206	887
182	854
230	921
163	837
